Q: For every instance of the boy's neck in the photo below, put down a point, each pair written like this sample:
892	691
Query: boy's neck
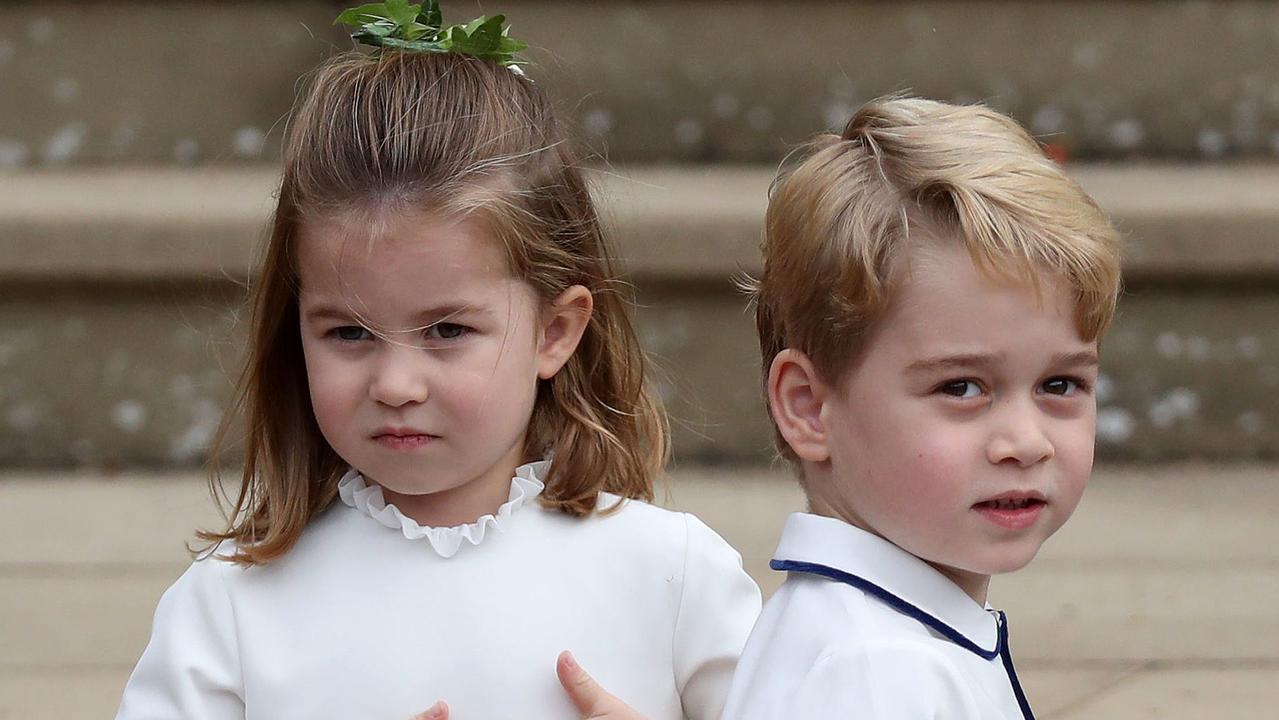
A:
975	585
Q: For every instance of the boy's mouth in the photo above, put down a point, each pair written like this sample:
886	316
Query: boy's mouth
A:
1014	511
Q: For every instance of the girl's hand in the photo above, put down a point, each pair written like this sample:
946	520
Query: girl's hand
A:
591	701
438	711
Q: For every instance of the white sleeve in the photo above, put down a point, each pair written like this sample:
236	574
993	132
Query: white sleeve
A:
191	667
899	682
719	603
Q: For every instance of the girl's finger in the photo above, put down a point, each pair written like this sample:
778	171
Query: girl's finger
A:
438	711
591	701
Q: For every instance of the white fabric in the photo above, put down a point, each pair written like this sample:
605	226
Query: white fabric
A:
823	648
446	541
356	621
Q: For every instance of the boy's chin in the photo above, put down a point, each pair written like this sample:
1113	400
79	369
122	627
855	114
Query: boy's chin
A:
1000	563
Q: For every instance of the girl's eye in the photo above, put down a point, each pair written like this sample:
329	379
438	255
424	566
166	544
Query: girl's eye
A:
350	333
1062	386
446	331
964	389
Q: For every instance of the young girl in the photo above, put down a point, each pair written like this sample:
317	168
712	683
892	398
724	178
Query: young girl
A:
448	438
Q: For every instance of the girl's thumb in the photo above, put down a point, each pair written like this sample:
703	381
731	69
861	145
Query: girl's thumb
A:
591	701
438	711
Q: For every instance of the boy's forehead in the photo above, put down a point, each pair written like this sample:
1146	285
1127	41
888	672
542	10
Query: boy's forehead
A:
949	265
943	297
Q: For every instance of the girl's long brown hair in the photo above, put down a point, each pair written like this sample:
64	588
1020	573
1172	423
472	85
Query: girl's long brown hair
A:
449	134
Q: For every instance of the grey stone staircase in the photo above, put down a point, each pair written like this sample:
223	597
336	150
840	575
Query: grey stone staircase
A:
196	82
136	146
120	333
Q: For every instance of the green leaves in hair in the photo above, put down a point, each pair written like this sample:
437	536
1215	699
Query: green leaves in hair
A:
420	28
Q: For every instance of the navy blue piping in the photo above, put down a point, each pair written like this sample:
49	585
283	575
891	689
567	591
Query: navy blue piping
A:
897	603
1007	656
1001	641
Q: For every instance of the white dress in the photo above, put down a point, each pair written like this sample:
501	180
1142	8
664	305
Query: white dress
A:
863	629
372	616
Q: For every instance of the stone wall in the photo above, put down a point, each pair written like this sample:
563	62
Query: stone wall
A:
121	332
211	82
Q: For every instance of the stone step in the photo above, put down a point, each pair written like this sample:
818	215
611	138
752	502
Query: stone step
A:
674	223
1160	587
209	82
123	288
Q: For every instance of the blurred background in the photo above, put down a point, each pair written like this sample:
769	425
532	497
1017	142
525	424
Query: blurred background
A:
138	147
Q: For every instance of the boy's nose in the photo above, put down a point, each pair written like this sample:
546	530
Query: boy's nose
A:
399	378
1019	436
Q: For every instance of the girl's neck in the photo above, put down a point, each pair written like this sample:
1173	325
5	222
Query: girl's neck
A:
465	503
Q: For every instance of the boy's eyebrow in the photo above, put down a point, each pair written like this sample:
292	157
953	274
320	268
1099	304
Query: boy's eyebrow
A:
952	361
1086	358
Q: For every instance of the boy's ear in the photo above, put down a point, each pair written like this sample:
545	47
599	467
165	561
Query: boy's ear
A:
796	394
563	323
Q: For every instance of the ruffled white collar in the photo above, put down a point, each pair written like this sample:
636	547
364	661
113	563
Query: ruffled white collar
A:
444	540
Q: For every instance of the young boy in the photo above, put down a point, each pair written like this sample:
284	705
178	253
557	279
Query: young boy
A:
933	294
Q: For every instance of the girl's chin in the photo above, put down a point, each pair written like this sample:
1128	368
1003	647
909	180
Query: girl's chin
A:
415	487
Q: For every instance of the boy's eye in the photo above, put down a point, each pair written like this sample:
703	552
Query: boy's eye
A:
961	389
350	333
1061	386
445	331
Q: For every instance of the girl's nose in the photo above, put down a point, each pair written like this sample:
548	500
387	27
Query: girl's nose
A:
1019	436
400	377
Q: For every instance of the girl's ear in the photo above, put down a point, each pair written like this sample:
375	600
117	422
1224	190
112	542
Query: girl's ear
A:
796	394
563	323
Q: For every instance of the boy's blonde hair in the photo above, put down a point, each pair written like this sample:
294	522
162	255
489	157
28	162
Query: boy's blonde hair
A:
456	135
839	220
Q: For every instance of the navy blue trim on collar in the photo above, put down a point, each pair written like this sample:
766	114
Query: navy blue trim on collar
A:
1007	656
1001	643
891	600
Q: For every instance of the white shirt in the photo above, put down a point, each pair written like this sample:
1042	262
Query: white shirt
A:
366	617
862	629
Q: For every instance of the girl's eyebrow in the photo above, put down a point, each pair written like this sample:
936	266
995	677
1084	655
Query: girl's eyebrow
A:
327	312
429	315
443	312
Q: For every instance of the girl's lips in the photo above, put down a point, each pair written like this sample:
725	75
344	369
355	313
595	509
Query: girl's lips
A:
1011	513
409	441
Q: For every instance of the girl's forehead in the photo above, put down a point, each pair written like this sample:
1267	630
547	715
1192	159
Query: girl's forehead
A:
406	273
429	247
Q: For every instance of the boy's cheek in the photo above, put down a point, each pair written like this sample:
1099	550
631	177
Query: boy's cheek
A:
943	472
940	446
1075	449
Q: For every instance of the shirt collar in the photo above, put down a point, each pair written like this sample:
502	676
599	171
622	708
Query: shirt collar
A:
834	549
445	541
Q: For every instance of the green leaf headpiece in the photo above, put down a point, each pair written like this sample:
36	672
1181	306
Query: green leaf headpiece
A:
397	24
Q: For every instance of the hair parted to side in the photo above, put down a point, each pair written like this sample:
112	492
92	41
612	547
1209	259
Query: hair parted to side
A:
840	217
453	135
